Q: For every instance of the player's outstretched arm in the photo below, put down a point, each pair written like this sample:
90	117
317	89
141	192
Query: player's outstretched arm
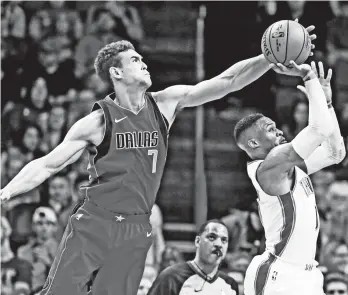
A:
332	150
175	98
239	75
81	134
284	157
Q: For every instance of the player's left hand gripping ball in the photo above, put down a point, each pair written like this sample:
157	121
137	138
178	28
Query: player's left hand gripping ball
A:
312	37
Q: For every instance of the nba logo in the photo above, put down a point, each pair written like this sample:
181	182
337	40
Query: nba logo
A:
274	275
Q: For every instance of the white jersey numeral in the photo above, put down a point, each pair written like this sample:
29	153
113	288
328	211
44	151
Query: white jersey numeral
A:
154	154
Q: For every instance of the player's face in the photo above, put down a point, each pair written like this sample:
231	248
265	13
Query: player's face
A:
212	244
337	288
134	70
268	135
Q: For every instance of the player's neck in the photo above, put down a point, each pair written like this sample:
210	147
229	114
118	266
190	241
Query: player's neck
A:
131	99
208	269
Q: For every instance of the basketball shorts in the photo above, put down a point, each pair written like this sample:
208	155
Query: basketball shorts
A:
268	275
108	246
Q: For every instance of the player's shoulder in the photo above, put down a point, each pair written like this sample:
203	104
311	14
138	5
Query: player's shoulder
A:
89	124
229	280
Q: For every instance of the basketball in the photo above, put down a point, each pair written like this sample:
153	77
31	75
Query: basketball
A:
286	40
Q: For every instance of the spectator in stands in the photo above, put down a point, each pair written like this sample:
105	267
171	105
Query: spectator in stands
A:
237	228
15	272
154	254
56	129
14	163
334	256
170	256
336	284
32	109
28	139
60	200
337	45
337	217
13	21
19	210
202	273
101	33
127	17
299	119
44	62
41	248
44	22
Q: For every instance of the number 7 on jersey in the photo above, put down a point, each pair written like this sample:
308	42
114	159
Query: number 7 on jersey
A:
154	154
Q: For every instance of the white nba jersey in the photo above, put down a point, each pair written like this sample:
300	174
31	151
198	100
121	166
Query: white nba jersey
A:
290	221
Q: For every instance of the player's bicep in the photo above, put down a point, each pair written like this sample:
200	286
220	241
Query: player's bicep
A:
64	154
74	143
281	159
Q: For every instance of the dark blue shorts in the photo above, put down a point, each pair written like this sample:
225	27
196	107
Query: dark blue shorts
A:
96	241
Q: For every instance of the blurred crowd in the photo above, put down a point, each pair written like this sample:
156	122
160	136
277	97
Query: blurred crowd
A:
48	82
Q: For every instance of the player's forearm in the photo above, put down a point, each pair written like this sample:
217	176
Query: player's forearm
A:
31	176
334	144
320	124
245	72
319	116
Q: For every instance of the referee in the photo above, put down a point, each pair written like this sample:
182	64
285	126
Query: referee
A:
200	275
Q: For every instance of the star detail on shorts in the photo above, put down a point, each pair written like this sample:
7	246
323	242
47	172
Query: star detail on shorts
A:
119	218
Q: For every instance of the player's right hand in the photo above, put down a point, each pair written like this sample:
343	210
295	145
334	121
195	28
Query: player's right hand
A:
294	70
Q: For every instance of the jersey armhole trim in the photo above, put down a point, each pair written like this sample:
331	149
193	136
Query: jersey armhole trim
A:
103	147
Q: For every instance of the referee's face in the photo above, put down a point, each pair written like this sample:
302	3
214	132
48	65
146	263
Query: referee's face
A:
212	244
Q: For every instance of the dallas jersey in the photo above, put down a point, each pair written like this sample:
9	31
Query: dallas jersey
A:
290	221
186	279
126	168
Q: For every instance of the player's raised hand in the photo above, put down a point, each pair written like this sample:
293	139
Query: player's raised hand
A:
324	82
311	37
294	70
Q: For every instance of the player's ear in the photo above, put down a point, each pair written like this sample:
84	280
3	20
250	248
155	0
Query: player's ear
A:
115	73
197	240
252	143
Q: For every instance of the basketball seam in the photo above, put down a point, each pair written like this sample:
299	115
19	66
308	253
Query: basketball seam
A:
304	42
270	44
286	44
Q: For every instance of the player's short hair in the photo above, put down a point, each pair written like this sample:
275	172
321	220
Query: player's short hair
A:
108	57
245	123
205	224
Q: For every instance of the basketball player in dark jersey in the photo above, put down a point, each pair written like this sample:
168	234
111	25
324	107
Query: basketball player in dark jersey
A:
126	135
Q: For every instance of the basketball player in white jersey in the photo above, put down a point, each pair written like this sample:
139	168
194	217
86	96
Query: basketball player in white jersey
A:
279	172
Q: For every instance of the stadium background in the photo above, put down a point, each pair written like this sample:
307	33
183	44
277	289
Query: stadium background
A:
47	53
